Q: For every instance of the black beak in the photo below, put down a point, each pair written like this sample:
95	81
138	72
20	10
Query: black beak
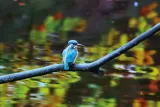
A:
80	45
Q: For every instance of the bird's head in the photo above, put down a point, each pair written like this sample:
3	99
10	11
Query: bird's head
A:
74	43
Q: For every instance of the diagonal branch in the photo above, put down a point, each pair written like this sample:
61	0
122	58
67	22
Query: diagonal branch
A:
81	67
127	46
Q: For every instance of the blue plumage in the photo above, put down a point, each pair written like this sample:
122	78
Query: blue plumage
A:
70	53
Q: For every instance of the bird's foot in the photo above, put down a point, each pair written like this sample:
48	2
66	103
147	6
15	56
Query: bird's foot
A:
71	66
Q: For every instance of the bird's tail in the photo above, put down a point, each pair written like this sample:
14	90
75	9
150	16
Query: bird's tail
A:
66	66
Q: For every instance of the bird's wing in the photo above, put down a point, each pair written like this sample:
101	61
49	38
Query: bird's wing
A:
72	55
64	55
69	55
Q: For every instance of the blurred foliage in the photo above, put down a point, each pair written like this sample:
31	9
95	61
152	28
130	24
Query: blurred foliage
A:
131	79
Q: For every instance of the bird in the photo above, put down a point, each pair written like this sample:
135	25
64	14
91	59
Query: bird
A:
70	54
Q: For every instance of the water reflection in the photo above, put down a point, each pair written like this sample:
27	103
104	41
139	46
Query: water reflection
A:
130	80
47	91
81	90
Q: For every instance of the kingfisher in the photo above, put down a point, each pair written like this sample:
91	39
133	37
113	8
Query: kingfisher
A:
70	54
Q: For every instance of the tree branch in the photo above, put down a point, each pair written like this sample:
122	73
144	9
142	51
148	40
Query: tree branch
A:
92	67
